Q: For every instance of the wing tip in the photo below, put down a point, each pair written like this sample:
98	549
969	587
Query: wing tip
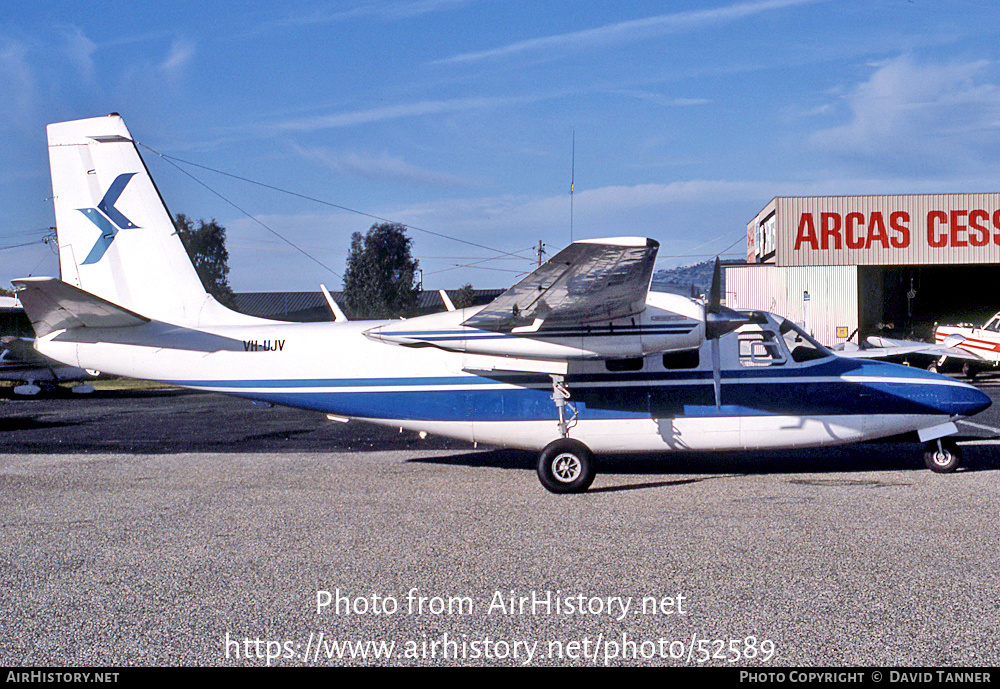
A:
637	242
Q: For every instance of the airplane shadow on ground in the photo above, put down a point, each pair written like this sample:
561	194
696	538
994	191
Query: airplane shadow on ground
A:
26	423
692	467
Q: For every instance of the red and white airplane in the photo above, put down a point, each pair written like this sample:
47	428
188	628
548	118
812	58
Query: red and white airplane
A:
978	347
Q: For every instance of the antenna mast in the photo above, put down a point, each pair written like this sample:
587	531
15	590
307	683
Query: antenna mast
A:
572	182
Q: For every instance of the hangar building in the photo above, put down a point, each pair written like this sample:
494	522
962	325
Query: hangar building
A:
885	265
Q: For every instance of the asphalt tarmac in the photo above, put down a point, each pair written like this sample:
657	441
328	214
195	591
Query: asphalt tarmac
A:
193	529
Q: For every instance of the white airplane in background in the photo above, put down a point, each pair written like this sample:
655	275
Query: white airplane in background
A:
20	363
578	358
978	347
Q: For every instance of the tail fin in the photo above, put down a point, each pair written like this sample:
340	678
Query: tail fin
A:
116	237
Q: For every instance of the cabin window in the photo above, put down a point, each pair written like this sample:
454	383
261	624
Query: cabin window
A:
994	325
677	360
622	365
760	349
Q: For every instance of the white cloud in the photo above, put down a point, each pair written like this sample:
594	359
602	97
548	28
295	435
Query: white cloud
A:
382	167
80	50
693	220
391	12
177	60
943	116
17	82
660	99
392	112
628	31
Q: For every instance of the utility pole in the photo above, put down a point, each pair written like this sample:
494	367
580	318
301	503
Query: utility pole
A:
541	251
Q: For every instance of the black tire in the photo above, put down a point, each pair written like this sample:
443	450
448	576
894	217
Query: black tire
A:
933	368
970	370
566	466
942	456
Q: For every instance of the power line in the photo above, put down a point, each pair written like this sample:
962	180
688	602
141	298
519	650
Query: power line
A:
272	231
170	159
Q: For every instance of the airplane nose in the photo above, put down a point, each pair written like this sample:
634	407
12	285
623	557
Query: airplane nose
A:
914	391
975	401
961	399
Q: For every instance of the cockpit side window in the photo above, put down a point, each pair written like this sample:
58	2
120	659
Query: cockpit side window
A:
802	347
994	325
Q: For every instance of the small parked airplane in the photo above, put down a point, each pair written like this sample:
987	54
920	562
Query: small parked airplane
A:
977	347
578	358
20	363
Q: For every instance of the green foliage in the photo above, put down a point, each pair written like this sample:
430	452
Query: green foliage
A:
465	297
4	292
206	245
378	282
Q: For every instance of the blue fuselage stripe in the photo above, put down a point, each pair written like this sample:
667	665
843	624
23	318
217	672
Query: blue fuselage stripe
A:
757	392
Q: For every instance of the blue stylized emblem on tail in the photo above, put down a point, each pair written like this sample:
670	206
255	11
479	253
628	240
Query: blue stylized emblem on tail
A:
108	218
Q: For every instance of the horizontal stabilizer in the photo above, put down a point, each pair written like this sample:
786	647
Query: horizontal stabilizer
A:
53	305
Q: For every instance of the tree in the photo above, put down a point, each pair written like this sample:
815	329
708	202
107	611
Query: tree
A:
465	297
206	245
378	282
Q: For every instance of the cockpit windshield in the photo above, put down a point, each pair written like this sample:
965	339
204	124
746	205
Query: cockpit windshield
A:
801	346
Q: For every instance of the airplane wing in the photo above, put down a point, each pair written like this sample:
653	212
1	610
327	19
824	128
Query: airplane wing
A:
587	282
53	305
884	348
590	301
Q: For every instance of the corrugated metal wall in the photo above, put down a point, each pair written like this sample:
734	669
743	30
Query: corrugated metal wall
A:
830	313
920	229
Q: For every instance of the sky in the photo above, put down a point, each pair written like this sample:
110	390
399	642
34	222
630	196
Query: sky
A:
469	120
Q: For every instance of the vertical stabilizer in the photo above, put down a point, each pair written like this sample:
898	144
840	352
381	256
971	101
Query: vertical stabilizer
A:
116	237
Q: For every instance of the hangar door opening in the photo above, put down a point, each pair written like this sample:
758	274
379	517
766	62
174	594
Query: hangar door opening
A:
906	301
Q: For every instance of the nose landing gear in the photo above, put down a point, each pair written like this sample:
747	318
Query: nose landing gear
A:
942	456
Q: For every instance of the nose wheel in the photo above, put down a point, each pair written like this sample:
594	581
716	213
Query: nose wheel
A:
942	456
566	466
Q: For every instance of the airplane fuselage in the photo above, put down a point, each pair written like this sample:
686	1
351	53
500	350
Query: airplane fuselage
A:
660	402
577	357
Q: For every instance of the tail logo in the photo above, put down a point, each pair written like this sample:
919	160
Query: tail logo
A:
107	218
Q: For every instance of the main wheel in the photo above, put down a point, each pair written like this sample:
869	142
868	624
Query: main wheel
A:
942	455
566	466
970	370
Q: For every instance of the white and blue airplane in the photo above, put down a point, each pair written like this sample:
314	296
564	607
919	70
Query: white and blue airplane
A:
579	358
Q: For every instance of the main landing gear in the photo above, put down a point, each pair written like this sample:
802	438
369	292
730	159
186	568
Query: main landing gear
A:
565	465
942	456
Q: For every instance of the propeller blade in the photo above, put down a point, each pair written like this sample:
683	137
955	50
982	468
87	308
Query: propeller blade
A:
720	319
717	374
715	295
